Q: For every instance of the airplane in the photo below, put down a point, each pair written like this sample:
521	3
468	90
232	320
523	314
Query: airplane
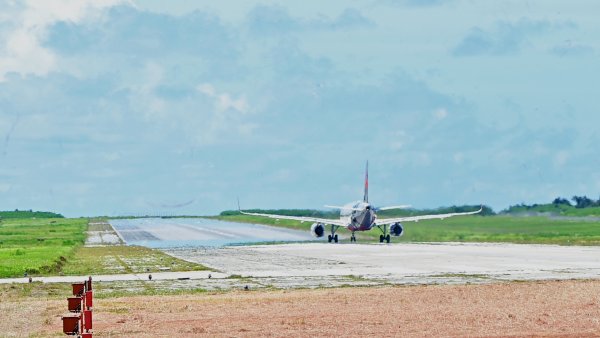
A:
361	216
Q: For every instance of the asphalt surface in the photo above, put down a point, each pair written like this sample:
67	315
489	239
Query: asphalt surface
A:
199	232
306	264
329	265
402	263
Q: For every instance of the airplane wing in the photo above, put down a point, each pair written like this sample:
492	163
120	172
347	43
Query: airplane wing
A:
300	218
385	221
342	208
406	206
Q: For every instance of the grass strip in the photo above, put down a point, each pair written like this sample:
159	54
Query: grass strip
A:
501	229
117	259
38	247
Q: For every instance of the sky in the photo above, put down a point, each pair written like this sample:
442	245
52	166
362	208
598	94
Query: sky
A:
150	107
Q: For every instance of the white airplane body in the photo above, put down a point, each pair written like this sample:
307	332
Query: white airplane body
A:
361	216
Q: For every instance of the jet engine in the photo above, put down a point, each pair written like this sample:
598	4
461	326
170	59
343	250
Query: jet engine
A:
397	229
317	230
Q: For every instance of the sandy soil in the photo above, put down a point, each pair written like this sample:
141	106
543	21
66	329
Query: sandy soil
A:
565	308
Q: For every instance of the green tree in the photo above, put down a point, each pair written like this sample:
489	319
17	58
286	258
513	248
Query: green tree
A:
582	202
560	200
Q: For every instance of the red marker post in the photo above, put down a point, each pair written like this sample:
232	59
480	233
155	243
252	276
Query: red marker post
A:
81	304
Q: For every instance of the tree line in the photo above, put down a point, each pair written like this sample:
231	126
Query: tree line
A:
580	202
28	214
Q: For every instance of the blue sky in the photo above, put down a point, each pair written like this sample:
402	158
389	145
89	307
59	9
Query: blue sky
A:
114	107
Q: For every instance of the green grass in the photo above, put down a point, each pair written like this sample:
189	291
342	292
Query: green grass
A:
594	211
116	259
534	230
102	290
47	247
37	290
531	230
142	288
38	246
555	209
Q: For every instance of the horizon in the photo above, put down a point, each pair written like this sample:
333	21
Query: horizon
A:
323	209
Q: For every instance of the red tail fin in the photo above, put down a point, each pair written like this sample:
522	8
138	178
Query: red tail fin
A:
366	197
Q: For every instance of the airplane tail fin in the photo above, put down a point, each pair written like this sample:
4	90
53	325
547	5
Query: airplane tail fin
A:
366	197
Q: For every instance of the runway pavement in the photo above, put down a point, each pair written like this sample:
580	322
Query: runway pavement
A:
313	264
401	263
321	264
326	265
200	232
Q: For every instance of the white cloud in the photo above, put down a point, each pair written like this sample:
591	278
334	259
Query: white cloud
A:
111	156
247	129
561	158
227	115
23	54
458	157
423	159
207	89
22	51
440	114
5	187
399	140
145	98
224	101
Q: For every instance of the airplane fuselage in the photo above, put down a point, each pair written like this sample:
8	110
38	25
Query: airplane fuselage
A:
359	216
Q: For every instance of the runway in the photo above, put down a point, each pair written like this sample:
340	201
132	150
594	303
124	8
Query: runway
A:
200	232
314	264
308	264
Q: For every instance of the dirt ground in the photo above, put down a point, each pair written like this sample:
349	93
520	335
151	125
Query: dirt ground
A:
564	308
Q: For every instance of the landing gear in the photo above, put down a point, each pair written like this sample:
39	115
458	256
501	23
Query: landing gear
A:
353	238
384	236
333	237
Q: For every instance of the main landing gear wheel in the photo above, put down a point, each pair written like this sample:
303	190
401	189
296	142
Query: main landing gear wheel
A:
335	238
380	238
387	238
329	238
